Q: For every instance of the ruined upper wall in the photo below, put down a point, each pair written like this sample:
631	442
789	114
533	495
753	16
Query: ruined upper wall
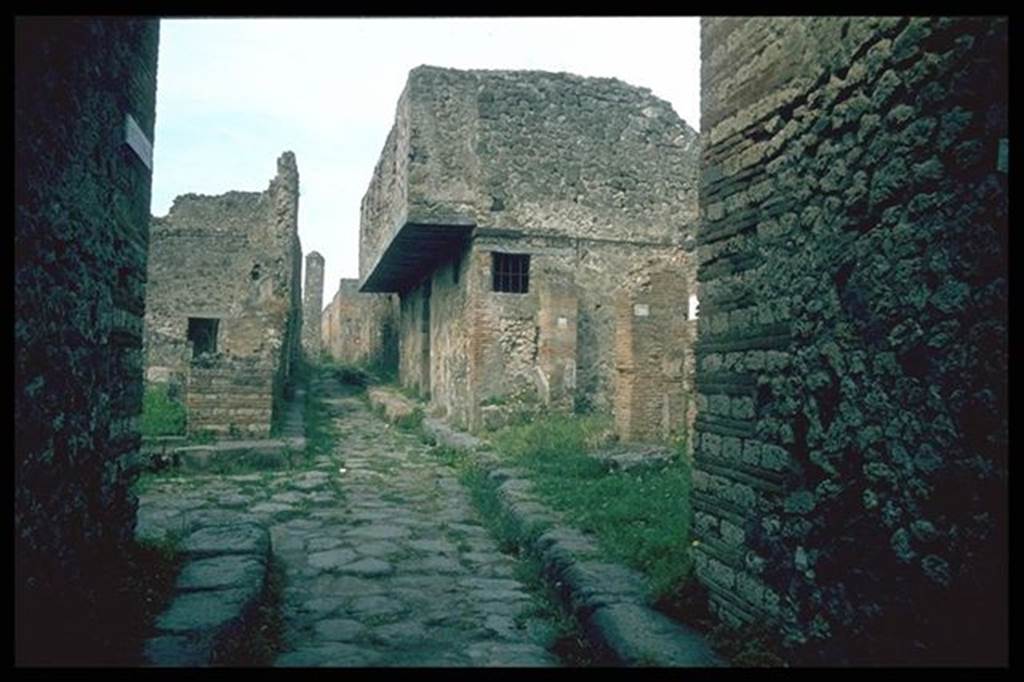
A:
385	205
81	233
532	151
850	463
236	258
228	257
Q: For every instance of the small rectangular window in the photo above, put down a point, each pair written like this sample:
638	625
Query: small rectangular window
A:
511	272
202	332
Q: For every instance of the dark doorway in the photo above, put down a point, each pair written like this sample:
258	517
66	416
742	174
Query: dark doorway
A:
202	332
425	329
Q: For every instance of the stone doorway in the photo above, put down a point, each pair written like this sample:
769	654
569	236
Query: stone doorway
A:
425	332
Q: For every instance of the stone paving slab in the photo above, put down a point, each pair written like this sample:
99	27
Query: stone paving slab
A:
221	572
395	569
194	611
228	539
215	594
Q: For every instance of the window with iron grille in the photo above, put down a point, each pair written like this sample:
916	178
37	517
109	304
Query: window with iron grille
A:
511	272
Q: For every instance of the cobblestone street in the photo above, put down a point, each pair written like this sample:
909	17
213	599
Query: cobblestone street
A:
386	562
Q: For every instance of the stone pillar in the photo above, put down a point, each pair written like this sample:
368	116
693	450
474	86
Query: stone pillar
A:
653	341
312	302
556	343
85	93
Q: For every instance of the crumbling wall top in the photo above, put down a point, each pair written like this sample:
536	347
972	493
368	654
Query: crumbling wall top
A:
531	151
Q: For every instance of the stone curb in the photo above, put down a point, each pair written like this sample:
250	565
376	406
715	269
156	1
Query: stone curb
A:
646	459
264	453
393	404
603	597
257	454
446	435
216	596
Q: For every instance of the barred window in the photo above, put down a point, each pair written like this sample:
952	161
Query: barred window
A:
511	272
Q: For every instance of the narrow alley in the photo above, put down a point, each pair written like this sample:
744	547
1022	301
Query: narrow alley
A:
386	563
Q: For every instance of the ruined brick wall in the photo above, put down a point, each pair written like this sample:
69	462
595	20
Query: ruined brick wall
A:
487	348
520	354
414	340
550	153
231	396
313	299
361	329
654	356
81	231
235	258
453	300
599	269
557	338
595	175
384	206
853	275
480	355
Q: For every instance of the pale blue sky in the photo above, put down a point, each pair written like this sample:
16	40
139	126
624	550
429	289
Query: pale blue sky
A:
233	94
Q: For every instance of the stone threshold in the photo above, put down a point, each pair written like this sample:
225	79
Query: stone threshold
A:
605	598
215	598
270	453
176	452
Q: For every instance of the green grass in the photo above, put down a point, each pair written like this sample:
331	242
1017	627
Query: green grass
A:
203	437
321	431
640	519
351	375
162	415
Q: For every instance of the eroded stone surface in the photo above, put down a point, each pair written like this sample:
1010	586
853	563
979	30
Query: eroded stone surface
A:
222	572
203	610
225	539
332	559
395	570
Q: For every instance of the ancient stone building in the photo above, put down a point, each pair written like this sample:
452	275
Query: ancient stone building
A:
361	329
223	303
850	481
505	210
312	302
85	93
